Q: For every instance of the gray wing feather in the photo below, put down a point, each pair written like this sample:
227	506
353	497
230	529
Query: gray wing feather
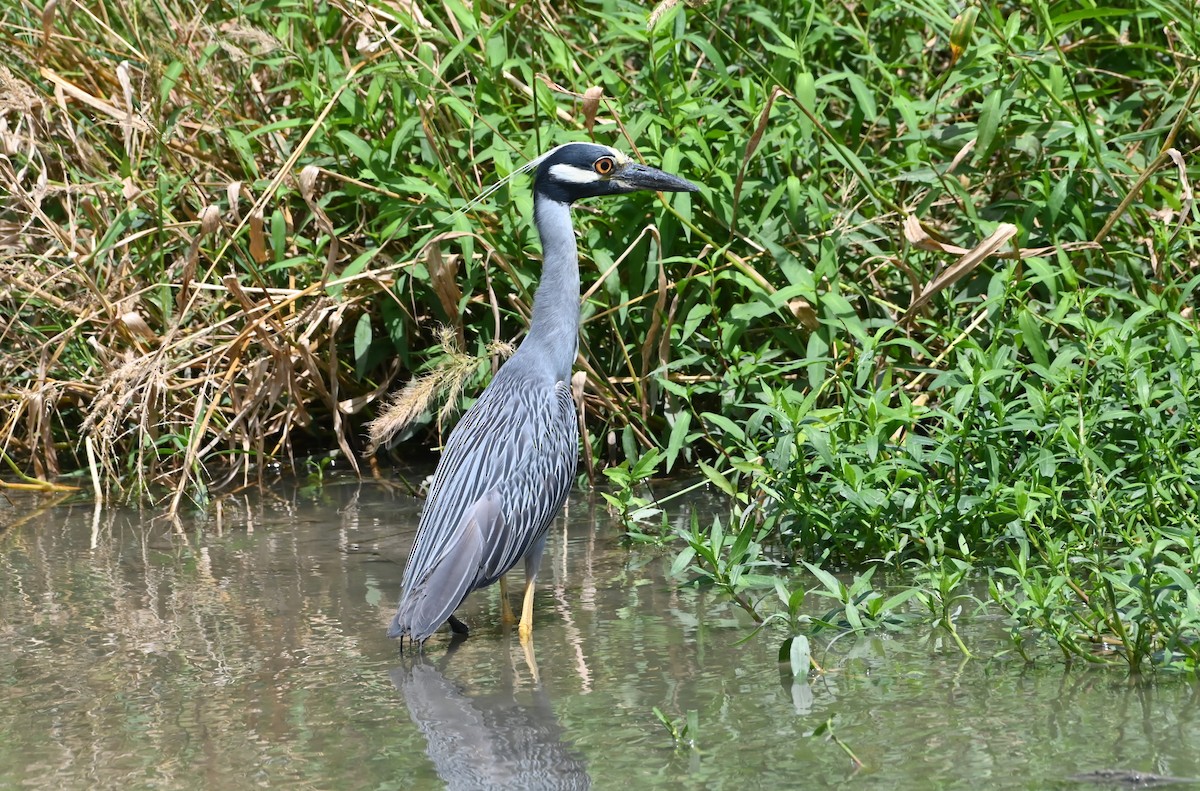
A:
435	596
503	478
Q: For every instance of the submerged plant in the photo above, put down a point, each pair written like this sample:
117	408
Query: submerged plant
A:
683	731
633	509
939	587
826	729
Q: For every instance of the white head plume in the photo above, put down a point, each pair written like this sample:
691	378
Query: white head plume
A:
487	193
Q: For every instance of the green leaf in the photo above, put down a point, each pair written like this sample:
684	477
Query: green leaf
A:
851	611
892	602
362	343
806	94
679	432
798	655
740	545
826	579
863	95
717	479
682	561
716	536
278	234
732	430
1061	21
795	601
1058	196
989	123
241	146
646	465
698	313
1031	336
170	79
361	150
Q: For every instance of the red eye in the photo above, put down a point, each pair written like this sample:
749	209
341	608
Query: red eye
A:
605	165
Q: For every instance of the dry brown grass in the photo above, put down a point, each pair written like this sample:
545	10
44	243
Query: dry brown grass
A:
152	329
135	339
445	383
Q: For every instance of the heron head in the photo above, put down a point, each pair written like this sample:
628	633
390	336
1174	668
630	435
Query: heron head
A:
584	170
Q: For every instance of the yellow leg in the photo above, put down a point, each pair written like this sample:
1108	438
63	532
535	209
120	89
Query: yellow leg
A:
526	627
530	662
506	614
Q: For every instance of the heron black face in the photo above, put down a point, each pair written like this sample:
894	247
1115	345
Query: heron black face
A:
585	170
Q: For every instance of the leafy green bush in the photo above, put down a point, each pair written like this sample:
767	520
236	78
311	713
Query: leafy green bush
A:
1043	402
1071	441
1096	432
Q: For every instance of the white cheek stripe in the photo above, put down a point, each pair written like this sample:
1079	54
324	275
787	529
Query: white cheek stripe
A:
573	175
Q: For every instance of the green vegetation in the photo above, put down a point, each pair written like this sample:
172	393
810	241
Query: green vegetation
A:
933	308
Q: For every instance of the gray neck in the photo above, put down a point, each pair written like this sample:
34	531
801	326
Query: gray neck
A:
554	332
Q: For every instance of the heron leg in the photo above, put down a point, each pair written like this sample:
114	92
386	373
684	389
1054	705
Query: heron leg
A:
459	628
533	561
530	661
506	614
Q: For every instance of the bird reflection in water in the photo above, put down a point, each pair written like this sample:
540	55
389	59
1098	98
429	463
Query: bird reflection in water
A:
489	740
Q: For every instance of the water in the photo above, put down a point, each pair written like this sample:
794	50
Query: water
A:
248	651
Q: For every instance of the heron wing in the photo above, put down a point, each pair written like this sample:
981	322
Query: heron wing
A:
502	479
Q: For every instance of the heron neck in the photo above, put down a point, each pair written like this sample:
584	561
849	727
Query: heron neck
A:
555	326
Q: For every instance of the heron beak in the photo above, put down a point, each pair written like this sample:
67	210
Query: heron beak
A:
641	177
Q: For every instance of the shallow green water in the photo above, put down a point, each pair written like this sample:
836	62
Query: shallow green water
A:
250	652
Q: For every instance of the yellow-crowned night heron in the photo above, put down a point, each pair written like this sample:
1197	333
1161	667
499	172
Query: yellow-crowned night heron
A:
510	461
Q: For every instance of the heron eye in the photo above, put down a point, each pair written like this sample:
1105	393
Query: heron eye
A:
604	165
